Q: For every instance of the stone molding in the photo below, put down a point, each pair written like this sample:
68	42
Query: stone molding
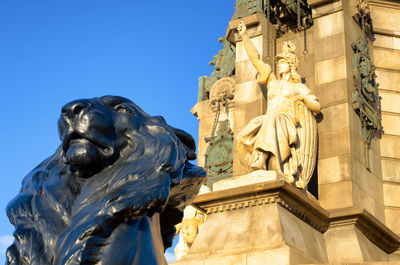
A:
371	227
385	3
313	3
276	191
282	193
394	4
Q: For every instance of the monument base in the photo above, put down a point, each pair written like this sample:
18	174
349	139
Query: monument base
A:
258	176
275	223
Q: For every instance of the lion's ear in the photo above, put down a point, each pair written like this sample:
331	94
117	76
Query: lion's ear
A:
188	142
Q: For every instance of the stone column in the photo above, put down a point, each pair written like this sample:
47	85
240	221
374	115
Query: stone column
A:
343	178
385	17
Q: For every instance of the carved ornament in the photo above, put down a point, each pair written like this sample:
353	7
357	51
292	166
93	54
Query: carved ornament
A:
285	15
224	63
365	98
219	154
223	91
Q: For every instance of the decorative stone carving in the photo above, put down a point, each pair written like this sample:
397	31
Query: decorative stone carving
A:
363	18
245	8
222	91
219	154
285	138
112	192
189	227
365	98
290	14
285	14
224	63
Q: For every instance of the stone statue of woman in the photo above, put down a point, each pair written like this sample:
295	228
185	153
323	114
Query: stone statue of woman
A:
285	138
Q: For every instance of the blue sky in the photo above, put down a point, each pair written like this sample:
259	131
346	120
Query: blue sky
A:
54	51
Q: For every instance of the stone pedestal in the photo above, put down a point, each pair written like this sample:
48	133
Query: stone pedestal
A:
274	223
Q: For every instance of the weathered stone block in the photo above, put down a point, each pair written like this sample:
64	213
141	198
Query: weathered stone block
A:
362	199
358	148
302	237
259	43
332	93
370	184
390	146
328	25
335	118
245	72
248	92
342	245
329	195
391	123
389	59
385	41
306	66
392	217
334	143
245	112
298	40
206	125
334	169
390	101
391	194
246	227
330	70
385	18
388	80
201	150
258	176
329	47
391	169
276	256
229	259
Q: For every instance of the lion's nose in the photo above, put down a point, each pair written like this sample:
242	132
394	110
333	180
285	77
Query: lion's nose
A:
74	107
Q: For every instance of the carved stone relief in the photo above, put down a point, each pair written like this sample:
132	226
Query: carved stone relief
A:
365	98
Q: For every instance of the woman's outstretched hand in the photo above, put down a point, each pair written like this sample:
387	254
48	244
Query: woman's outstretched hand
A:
242	29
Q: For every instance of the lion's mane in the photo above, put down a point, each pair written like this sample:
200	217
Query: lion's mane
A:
64	219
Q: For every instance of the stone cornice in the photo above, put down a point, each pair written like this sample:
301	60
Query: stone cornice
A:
371	227
281	193
313	3
385	3
277	191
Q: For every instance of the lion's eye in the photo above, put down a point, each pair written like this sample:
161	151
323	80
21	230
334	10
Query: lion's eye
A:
122	109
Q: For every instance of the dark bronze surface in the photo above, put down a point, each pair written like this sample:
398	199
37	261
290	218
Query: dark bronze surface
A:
111	193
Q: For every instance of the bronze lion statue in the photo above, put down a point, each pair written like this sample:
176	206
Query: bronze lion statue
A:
112	192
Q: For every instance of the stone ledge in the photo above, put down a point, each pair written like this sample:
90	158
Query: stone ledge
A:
258	176
297	203
313	3
371	227
275	191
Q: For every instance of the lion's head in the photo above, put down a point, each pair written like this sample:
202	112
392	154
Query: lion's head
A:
95	131
116	166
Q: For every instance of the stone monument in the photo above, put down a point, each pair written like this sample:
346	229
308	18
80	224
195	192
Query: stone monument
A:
345	208
111	194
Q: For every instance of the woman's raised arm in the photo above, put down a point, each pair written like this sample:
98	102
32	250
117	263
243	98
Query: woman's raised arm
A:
263	69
